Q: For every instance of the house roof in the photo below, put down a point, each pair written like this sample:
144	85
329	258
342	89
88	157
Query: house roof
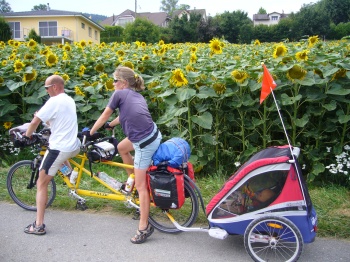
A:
45	13
267	16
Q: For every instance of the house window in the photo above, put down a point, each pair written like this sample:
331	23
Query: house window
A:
90	31
274	18
48	28
96	35
123	21
16	29
83	25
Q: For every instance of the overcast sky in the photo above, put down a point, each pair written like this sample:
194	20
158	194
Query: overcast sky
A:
212	7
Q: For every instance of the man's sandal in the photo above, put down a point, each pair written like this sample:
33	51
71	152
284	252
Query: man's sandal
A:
142	235
37	230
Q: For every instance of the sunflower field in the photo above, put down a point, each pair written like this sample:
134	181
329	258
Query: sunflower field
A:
207	93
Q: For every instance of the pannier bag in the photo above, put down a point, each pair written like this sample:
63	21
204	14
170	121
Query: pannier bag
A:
166	185
102	151
174	151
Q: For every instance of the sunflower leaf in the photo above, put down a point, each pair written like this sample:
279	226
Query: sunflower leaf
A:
205	120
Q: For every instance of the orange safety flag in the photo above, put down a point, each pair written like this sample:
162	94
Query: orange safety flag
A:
268	84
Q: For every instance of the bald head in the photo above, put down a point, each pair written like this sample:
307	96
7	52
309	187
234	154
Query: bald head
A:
57	81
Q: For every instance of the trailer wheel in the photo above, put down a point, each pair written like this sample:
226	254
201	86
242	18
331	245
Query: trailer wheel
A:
273	238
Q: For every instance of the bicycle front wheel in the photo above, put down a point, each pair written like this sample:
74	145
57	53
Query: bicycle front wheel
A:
185	216
19	185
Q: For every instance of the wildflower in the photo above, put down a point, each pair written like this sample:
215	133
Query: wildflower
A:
78	91
219	88
7	125
296	72
18	65
215	46
280	50
239	76
313	40
51	59
178	78
32	43
302	55
30	76
100	68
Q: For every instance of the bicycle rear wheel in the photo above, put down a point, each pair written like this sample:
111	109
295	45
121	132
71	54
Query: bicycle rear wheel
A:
18	185
185	216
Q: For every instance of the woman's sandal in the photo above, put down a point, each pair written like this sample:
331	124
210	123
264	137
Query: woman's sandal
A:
142	235
37	230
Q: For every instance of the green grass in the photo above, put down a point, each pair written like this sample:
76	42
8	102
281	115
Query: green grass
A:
332	203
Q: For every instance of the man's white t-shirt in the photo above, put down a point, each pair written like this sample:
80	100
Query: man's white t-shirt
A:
60	112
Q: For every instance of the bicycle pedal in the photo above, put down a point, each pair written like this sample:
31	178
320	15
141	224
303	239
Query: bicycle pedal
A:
136	215
81	206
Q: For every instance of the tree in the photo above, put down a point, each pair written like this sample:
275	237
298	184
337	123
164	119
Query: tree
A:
39	7
338	10
185	29
141	30
5	30
262	11
33	35
5	7
112	34
184	7
169	6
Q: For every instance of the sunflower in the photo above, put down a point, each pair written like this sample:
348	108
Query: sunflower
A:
215	46
8	125
16	44
29	56
82	44
193	49
153	84
143	44
2	44
280	50
100	68
65	56
102	45
120	59
162	51
11	42
109	85
65	77
103	77
1	81
312	40
4	62
256	42
18	65
128	64
341	73
32	43
120	53
296	72
189	68
81	70
145	57
219	88
178	78
78	91
318	72
161	42
67	47
302	55
30	76
193	58
51	59
239	76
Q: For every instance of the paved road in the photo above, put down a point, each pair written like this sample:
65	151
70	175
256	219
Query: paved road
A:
88	236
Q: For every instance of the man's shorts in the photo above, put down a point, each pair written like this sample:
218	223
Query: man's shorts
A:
53	160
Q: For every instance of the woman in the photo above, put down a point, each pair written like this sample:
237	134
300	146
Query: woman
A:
142	135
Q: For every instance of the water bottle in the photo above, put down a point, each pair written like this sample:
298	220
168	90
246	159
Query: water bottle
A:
130	183
65	169
109	180
73	176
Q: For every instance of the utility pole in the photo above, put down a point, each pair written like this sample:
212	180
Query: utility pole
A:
135	8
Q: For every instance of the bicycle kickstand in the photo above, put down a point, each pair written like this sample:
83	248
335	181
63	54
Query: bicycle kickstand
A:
81	202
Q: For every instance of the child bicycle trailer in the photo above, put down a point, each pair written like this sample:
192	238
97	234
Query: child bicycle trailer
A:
267	201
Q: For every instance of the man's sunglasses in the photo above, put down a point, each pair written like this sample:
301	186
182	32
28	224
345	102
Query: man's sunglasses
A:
47	87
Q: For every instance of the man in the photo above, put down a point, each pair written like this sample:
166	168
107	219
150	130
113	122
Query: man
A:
60	113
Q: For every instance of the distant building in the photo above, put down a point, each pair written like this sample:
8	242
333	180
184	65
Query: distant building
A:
54	26
268	19
159	18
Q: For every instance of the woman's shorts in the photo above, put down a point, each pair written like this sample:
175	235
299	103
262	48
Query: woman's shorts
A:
143	156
